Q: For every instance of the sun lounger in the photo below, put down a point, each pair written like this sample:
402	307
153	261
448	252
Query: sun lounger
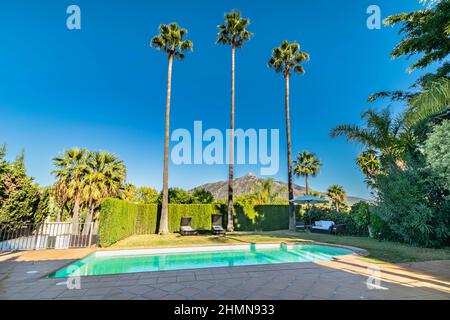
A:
185	227
216	223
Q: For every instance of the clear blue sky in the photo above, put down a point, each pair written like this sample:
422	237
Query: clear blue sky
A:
103	87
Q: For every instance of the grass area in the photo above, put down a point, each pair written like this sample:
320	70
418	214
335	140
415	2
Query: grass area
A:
379	251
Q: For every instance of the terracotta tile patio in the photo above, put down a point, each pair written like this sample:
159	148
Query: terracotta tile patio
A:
23	276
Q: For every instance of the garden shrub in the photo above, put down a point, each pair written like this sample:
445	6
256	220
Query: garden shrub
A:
415	205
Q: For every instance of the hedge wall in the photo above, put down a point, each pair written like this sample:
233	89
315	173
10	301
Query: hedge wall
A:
267	217
120	219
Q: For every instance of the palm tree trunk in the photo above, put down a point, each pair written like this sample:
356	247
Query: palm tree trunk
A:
230	224
289	156
164	220
88	221
76	216
59	215
307	184
337	206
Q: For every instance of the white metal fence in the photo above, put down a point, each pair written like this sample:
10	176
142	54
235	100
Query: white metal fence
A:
46	235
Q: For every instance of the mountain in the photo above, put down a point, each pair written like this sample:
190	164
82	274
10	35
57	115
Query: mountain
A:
246	185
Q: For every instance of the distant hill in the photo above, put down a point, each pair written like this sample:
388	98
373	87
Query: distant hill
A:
246	185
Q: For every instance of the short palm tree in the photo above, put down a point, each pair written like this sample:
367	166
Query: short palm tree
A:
307	165
268	192
71	168
288	59
234	33
104	177
382	133
170	41
368	163
336	194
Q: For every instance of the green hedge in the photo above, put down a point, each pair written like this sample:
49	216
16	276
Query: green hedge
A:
120	219
267	217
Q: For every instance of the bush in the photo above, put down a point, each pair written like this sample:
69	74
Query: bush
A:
437	151
414	205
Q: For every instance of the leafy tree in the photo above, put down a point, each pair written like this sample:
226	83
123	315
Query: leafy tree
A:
19	196
425	31
147	195
129	193
437	152
201	195
171	41
288	59
177	195
336	194
268	192
234	33
47	205
306	165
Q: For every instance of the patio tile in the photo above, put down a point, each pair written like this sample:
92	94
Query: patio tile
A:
166	279
188	292
154	293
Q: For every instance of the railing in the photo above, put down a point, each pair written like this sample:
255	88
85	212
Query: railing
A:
46	235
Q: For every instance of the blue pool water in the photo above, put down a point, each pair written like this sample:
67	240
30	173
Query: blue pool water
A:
115	264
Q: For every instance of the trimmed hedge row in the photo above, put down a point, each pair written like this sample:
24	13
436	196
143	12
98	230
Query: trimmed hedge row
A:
120	219
267	217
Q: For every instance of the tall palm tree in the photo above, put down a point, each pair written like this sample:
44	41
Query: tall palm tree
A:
71	168
306	165
287	59
234	33
170	41
104	177
368	163
336	194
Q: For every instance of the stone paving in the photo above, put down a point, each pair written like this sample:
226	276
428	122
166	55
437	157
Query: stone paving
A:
342	279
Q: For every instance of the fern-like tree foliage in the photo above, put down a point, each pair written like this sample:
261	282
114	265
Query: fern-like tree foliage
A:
383	132
425	32
432	102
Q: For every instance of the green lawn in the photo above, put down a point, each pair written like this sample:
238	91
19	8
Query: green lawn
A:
379	251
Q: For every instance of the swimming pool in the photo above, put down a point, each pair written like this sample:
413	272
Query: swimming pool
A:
146	260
